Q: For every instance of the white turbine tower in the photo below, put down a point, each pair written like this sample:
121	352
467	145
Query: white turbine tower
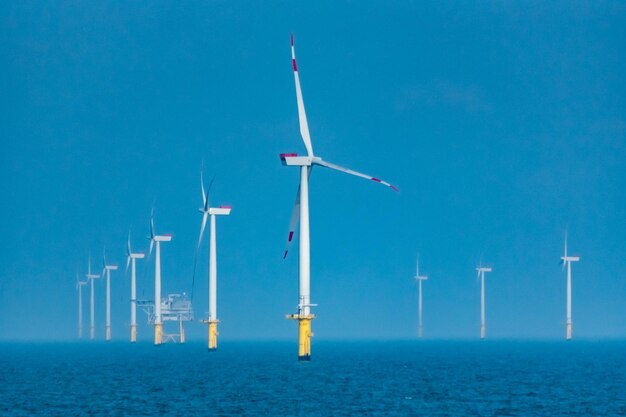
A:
91	277
158	324
301	213
79	289
131	259
106	269
481	274
419	279
567	260
206	211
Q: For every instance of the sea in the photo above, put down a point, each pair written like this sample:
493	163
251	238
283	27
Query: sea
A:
355	378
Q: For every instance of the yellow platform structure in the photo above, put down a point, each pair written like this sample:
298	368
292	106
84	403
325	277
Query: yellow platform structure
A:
158	334
213	334
304	334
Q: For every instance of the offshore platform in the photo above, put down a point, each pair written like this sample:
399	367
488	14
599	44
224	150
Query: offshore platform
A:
174	307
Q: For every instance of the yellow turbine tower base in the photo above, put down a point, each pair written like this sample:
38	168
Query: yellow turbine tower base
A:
158	334
568	331
133	333
304	335
108	333
213	334
182	332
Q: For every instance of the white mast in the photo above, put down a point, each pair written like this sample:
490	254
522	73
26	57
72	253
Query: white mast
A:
131	259
304	307
419	279
91	277
158	324
567	260
481	275
206	211
106	269
301	215
79	288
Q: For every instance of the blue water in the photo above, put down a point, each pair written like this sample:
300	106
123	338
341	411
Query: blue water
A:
452	378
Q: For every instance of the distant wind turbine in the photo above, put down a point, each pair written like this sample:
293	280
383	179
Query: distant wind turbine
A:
106	269
206	211
79	289
131	258
481	274
419	279
158	324
567	260
301	213
91	277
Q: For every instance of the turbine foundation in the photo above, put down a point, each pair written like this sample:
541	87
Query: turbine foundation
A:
182	331
92	332
133	333
108	334
213	334
482	331
304	335
158	334
568	331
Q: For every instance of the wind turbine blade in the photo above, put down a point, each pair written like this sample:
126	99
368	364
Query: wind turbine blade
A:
152	223
127	263
295	217
208	193
203	193
151	246
351	172
304	125
128	249
417	270
205	215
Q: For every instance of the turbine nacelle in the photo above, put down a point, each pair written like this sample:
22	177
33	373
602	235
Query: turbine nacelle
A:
570	258
292	159
162	238
420	278
220	211
483	269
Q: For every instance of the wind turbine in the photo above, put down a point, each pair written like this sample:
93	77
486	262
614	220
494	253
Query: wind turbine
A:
131	259
206	211
301	213
91	277
567	260
79	289
419	279
481	274
158	324
106	269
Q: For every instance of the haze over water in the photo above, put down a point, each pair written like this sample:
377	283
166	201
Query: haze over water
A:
443	378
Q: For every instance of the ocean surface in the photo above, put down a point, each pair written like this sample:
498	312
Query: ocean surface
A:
407	378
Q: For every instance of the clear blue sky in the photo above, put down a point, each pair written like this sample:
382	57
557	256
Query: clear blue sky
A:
500	123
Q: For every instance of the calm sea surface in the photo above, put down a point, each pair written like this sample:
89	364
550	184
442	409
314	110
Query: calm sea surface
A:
490	378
